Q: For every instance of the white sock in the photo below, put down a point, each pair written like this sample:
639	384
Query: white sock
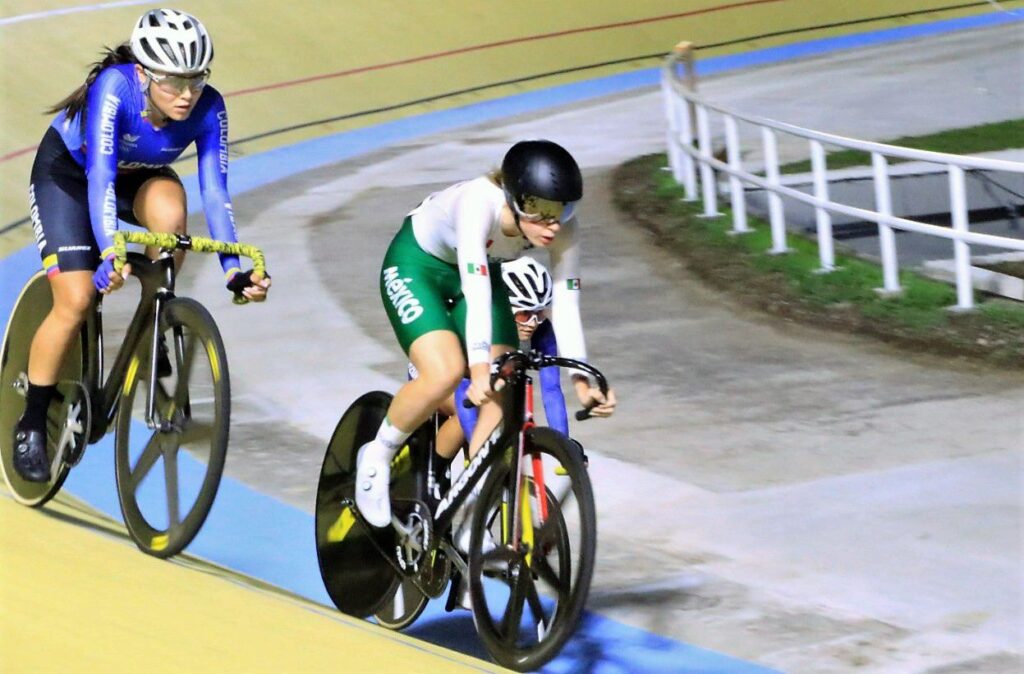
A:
390	436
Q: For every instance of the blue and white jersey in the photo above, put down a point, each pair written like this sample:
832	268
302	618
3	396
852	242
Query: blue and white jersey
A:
118	137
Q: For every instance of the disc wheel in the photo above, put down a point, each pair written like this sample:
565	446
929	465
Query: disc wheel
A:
168	475
529	592
358	579
69	409
403	607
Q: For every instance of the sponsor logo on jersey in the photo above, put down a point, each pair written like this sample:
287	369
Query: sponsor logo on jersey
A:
231	218
33	213
171	149
138	165
110	210
129	142
107	114
401	297
479	269
573	284
222	120
71	249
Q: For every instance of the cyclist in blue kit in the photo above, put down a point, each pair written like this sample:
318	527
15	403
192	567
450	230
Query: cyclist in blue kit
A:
106	157
529	287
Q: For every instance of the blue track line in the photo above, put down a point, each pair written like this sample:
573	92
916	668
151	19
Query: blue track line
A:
264	538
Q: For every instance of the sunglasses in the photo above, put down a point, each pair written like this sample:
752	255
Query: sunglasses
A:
524	317
176	84
536	209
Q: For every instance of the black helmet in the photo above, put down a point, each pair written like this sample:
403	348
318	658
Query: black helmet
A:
543	169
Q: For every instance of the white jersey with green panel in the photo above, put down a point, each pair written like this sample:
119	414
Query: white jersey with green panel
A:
461	225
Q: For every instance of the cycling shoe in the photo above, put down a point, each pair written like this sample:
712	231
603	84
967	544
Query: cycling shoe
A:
373	475
30	460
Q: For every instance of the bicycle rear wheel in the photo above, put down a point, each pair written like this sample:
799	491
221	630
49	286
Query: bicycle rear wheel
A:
168	476
529	593
403	607
357	577
68	413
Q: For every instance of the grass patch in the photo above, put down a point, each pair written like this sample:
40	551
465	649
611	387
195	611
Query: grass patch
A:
1008	268
969	140
791	284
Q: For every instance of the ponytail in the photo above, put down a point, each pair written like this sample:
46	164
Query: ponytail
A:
74	103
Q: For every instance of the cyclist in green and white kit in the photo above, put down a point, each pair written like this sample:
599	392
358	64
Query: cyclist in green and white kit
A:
442	288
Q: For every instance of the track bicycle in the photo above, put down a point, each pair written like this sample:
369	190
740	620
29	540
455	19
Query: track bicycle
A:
173	354
529	588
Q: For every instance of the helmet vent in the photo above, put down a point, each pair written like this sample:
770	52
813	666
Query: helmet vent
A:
167	49
148	48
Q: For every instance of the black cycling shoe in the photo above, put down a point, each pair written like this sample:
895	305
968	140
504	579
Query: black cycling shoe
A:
583	455
163	359
30	460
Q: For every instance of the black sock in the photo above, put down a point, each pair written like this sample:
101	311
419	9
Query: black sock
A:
37	402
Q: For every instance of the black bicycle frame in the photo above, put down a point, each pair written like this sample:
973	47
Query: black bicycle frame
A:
157	278
512	368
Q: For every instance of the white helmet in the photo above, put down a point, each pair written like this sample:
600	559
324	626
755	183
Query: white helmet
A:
528	282
172	42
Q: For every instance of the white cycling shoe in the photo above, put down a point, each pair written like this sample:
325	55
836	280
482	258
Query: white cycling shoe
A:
373	475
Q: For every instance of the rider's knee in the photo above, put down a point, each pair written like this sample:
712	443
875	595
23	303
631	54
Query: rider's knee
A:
160	206
442	379
72	304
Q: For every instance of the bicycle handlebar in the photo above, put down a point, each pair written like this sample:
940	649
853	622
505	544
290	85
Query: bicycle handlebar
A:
514	363
200	244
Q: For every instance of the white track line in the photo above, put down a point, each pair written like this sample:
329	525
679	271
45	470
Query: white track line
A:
7	21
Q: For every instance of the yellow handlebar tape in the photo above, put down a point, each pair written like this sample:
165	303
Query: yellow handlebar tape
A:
199	244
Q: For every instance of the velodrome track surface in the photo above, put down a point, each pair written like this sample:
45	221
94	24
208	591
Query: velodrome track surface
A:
712	560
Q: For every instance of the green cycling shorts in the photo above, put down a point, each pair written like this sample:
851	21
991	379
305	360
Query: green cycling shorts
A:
422	293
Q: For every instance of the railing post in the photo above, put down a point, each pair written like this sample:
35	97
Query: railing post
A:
823	218
776	215
736	193
686	142
961	249
708	186
682	57
675	162
886	237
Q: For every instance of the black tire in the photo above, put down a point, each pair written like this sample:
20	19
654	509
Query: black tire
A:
535	595
31	307
195	403
357	577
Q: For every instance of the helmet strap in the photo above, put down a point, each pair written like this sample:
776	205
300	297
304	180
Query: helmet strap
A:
515	211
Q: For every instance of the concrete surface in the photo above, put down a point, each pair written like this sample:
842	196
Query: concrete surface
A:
809	501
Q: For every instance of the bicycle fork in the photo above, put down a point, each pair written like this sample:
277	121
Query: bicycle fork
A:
522	525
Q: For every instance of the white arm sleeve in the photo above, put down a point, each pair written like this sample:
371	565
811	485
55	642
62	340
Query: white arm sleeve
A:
473	217
565	308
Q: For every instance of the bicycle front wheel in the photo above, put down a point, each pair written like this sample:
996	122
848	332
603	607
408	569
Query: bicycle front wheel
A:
169	467
528	593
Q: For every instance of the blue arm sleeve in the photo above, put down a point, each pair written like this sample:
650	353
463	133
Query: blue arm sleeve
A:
544	341
467	417
102	124
212	147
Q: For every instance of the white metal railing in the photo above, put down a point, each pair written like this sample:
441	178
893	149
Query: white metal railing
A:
689	113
